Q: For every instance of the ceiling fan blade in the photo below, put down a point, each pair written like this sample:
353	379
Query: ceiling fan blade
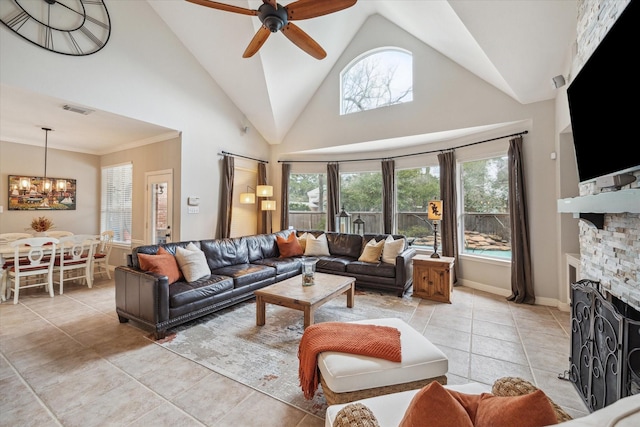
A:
303	41
305	9
273	3
225	7
256	42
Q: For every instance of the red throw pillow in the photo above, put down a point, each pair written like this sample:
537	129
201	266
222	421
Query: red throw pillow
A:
161	263
289	247
434	406
529	410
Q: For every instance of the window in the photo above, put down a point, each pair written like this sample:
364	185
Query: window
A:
115	209
414	188
308	201
377	79
361	194
485	208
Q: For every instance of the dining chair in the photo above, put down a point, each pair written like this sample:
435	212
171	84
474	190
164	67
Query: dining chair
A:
33	265
102	253
6	256
58	234
74	259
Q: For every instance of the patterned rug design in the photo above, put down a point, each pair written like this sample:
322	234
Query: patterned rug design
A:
266	357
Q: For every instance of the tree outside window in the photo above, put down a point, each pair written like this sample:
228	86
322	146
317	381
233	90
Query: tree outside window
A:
361	194
414	188
308	201
377	79
485	213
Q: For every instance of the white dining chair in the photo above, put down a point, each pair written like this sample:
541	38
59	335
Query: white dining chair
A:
102	253
74	259
33	265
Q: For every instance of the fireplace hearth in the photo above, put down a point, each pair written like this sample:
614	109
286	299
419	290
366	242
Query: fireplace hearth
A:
605	346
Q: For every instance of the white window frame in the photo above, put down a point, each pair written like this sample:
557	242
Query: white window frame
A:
364	56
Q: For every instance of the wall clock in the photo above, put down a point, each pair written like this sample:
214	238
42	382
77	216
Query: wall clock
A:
69	27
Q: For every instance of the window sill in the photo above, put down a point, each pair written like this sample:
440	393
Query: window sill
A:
504	262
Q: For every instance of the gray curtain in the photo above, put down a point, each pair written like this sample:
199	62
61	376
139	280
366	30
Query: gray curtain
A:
260	214
284	196
226	198
521	275
333	196
449	223
388	195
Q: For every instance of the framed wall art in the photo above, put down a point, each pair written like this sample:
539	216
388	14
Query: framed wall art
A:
33	193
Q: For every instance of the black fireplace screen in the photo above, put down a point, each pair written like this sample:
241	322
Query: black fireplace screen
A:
605	346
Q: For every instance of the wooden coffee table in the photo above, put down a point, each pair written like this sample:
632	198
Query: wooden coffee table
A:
290	293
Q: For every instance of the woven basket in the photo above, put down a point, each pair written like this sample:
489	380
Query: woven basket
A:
513	386
334	398
355	415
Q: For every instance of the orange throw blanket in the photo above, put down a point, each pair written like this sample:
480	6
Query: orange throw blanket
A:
368	340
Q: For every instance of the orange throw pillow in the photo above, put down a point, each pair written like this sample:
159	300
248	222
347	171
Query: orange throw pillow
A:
289	247
161	263
434	406
529	410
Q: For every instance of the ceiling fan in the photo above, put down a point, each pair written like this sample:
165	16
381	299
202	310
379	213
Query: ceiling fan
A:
275	17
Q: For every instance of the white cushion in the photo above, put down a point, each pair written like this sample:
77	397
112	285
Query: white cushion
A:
421	359
392	248
390	408
192	262
317	246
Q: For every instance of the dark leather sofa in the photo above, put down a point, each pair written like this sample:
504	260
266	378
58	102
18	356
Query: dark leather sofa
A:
345	249
238	267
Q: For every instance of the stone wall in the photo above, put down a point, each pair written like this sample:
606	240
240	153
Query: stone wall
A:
611	255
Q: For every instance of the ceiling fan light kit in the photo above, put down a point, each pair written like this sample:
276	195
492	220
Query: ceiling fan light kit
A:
275	17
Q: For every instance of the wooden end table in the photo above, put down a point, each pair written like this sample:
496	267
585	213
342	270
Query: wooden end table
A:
290	293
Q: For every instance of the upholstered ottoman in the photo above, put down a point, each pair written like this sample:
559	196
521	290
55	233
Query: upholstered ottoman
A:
348	377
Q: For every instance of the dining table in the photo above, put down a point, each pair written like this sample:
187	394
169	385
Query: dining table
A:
6	253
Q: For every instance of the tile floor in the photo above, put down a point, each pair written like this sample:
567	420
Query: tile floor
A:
68	361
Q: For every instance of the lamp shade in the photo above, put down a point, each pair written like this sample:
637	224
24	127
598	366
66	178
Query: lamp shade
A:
268	205
247	198
264	191
434	210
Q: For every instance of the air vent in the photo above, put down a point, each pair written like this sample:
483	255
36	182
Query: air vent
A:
79	110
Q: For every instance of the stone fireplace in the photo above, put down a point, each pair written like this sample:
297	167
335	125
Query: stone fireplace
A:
605	305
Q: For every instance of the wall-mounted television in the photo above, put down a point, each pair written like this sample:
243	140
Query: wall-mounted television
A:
603	99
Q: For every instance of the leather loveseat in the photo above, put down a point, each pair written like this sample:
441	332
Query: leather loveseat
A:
238	266
345	249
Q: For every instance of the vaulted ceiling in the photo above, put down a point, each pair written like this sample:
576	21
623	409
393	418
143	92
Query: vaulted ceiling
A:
517	46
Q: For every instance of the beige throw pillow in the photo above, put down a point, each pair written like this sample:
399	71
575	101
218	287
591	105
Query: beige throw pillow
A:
192	262
372	251
303	240
317	246
392	248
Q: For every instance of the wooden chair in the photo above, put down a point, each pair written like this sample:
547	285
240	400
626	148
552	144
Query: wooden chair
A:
33	265
74	259
102	253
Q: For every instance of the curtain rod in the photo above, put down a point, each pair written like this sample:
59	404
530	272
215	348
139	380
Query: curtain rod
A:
404	155
226	153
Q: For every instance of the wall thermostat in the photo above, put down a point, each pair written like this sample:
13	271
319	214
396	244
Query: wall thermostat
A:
193	201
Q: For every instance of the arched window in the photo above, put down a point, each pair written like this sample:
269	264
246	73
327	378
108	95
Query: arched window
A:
375	79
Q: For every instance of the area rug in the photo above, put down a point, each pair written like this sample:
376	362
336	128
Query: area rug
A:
266	357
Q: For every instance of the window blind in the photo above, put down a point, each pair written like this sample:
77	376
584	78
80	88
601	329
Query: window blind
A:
116	204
